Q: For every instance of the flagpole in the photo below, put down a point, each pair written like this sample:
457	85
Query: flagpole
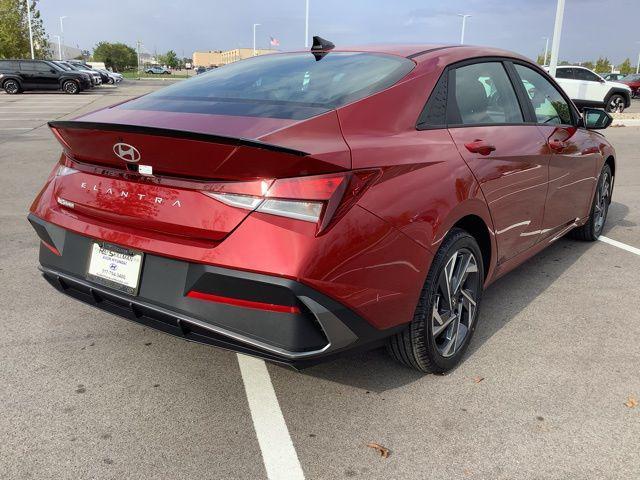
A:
306	26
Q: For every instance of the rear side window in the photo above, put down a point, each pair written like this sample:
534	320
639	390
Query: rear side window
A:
564	73
549	105
483	95
8	65
27	66
295	85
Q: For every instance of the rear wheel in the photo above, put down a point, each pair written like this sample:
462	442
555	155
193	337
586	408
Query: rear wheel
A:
615	104
11	86
71	87
447	311
591	230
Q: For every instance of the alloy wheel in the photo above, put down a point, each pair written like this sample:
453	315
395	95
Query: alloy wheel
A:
603	194
455	304
616	104
11	87
70	87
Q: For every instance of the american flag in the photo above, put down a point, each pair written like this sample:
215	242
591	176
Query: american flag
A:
274	42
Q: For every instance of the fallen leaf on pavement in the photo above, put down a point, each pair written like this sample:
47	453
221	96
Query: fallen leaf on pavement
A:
478	379
383	451
632	402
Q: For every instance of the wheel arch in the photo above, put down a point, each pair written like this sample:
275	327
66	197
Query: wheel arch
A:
478	229
17	79
618	91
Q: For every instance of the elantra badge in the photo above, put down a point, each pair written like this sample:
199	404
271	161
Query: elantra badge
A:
126	152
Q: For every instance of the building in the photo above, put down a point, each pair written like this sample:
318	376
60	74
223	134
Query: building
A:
217	58
68	52
212	58
236	54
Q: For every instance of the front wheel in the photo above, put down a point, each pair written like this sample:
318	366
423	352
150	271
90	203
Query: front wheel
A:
591	230
447	311
615	104
71	87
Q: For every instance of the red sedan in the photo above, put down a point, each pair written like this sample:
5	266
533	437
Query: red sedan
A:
633	81
298	205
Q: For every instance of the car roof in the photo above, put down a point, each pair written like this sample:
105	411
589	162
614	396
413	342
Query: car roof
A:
423	52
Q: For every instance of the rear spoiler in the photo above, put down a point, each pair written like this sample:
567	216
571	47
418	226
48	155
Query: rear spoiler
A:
167	132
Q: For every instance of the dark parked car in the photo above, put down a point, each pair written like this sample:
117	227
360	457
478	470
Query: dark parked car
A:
200	70
19	75
96	78
298	205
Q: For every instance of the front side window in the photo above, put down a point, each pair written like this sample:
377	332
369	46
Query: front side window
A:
483	95
585	75
549	105
292	85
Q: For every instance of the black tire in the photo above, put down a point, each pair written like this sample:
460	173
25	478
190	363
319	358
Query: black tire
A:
11	86
417	346
71	87
615	104
590	231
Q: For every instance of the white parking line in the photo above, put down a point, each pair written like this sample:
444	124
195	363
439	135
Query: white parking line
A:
278	453
618	244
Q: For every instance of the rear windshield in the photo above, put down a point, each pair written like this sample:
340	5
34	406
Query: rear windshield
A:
292	85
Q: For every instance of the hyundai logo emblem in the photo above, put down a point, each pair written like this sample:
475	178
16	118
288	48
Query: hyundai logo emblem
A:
126	152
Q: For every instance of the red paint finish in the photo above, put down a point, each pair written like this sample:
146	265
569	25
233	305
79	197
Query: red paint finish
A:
395	191
513	178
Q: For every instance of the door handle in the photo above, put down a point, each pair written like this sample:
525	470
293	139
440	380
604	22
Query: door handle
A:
557	145
480	146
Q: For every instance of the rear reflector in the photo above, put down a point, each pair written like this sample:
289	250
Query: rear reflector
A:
237	302
53	249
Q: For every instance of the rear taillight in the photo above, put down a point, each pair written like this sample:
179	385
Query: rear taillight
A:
317	199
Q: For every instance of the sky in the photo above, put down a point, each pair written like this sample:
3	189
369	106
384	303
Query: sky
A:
591	27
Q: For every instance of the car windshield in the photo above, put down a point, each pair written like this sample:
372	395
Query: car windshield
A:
294	85
633	77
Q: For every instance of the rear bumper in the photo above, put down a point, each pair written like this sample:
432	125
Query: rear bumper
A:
319	329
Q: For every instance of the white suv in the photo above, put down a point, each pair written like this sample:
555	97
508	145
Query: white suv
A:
588	89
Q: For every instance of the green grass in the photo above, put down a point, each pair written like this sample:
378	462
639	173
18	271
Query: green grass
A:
134	75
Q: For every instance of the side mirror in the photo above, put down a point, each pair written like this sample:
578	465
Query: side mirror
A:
595	119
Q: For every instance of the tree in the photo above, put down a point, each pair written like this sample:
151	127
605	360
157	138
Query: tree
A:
603	65
169	59
588	64
14	31
541	60
625	67
117	56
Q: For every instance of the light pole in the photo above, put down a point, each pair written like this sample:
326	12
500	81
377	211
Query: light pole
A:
254	37
306	25
638	65
464	24
557	32
59	47
30	30
61	33
546	50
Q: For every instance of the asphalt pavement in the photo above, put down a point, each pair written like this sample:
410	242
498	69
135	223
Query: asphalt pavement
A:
543	393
